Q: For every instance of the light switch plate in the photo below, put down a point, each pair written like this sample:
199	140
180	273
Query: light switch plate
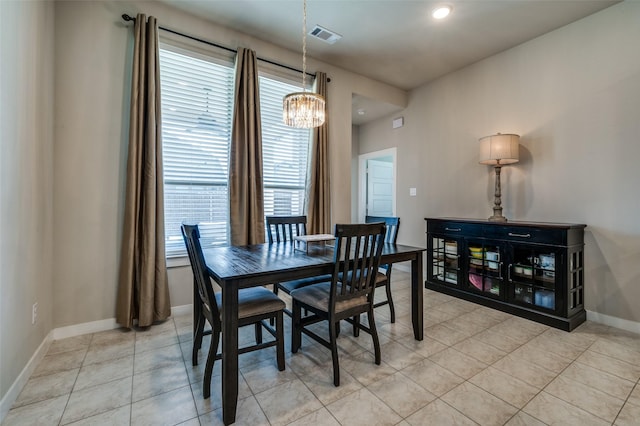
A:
398	122
412	192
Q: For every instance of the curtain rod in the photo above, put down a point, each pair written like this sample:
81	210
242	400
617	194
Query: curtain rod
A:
210	43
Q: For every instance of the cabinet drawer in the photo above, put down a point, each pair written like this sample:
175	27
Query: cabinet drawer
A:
454	228
526	234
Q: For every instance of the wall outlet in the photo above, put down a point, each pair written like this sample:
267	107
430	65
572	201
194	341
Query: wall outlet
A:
34	313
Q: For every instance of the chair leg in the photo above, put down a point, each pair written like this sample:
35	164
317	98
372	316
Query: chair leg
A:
390	300
374	335
356	329
258	326
333	335
197	339
275	291
280	338
211	358
296	328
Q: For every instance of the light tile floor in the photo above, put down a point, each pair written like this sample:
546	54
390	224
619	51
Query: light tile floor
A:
475	366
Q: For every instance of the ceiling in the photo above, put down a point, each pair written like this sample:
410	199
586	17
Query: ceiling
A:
396	41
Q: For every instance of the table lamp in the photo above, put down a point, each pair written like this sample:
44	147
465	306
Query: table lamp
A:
498	150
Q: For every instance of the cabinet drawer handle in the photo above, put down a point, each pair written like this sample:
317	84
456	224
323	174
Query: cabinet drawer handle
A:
453	229
511	234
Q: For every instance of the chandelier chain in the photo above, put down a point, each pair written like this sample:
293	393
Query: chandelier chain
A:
304	45
301	109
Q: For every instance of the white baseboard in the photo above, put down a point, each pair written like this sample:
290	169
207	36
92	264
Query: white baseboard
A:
106	324
616	322
10	397
84	328
62	333
182	310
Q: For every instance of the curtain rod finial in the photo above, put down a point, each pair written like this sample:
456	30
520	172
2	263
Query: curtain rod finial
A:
127	17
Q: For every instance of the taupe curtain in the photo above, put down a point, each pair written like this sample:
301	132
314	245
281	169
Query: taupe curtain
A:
246	201
143	293
318	184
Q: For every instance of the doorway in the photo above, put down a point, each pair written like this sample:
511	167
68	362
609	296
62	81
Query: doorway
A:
377	184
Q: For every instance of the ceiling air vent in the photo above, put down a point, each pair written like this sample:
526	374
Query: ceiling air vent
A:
324	34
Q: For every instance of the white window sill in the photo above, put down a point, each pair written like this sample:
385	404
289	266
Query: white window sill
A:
177	261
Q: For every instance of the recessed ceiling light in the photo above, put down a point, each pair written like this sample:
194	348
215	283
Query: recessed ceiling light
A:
361	112
441	12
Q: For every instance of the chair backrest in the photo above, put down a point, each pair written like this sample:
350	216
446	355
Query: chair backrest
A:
191	235
356	259
393	225
283	228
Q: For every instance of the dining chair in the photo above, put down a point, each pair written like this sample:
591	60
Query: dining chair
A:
281	229
255	305
383	278
348	294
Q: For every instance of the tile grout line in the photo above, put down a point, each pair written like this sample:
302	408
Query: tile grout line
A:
626	401
66	405
491	365
133	373
558	375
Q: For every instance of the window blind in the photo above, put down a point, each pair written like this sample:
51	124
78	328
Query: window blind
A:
284	152
197	104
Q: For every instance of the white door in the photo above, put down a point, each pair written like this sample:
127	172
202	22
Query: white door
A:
379	188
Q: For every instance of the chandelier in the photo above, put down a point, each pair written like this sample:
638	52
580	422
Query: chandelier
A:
304	109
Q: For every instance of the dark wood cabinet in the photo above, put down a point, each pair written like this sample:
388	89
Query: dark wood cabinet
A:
533	270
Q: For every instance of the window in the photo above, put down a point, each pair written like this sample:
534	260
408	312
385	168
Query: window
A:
284	152
197	104
197	107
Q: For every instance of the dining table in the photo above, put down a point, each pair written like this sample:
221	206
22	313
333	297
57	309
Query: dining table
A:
238	267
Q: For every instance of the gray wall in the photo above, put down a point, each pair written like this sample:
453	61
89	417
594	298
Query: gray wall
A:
574	96
355	148
26	181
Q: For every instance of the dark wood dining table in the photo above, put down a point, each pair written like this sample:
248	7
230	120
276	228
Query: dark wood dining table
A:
237	267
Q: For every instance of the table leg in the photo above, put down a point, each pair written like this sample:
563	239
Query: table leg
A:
416	296
229	352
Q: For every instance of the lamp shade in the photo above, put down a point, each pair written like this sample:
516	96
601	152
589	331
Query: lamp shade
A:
499	149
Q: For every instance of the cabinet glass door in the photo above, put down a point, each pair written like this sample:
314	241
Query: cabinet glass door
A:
445	260
532	276
485	269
